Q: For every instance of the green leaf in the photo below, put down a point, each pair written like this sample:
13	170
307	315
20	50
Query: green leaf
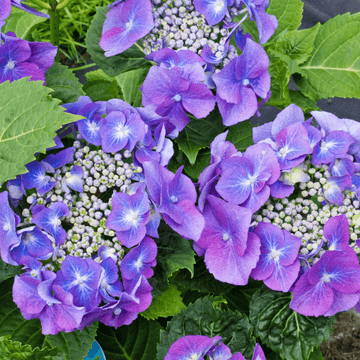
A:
7	270
174	253
28	121
316	355
130	59
292	335
100	86
288	14
130	83
136	341
65	84
167	304
333	68
298	44
73	345
205	317
303	102
199	133
21	23
240	135
15	350
202	280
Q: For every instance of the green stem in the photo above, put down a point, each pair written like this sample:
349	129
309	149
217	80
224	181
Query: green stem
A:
64	4
83	67
41	4
54	26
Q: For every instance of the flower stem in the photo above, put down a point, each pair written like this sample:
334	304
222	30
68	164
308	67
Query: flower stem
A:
54	26
83	67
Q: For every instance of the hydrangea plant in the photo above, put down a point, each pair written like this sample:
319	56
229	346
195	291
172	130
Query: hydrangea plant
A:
145	209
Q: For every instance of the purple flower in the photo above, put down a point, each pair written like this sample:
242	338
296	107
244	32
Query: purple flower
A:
34	243
334	189
240	82
245	180
213	10
168	93
330	286
90	126
140	260
5	8
8	222
121	130
126	23
278	265
265	23
191	347
334	145
48	302
16	190
73	180
49	220
36	178
110	285
81	277
129	216
19	58
58	160
231	251
175	195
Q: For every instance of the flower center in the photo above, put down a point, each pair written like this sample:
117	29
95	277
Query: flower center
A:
219	5
275	254
6	227
117	311
10	65
226	237
326	278
246	82
55	222
139	264
177	97
173	199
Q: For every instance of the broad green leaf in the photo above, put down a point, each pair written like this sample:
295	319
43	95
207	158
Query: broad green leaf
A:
14	350
136	341
205	317
100	86
7	270
298	44
73	345
130	59
316	355
167	304
288	14
240	135
65	84
199	133
292	335
21	23
29	118
174	253
202	280
280	77
333	68
130	83
303	102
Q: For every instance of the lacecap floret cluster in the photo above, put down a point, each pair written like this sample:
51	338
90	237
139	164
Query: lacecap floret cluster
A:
286	210
90	208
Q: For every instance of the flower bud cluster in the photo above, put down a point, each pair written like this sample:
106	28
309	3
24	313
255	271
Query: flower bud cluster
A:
305	214
180	27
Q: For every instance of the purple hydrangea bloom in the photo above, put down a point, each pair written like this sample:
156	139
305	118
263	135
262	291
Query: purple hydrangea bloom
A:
58	160
19	58
5	8
73	180
34	243
36	178
240	82
90	126
81	277
231	251
121	129
278	265
191	347
129	216
330	286
265	23
335	187
245	180
8	222
168	93
334	145
140	260
126	23
213	10
175	195
110	285
16	190
48	302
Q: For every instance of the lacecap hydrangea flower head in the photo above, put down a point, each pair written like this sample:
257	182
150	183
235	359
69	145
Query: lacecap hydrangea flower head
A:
190	42
286	211
82	219
196	347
